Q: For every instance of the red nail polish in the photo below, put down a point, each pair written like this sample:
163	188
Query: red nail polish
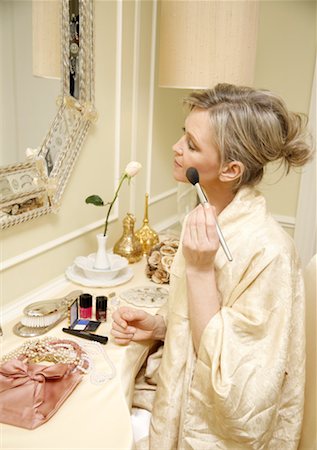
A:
101	308
85	306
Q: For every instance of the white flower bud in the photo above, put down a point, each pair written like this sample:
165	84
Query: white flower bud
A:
132	168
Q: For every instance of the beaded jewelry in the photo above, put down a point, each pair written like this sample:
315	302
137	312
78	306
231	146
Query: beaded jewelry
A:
52	350
96	376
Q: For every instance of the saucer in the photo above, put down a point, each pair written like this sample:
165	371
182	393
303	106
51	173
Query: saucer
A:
73	273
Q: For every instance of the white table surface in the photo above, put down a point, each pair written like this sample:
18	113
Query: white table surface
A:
94	416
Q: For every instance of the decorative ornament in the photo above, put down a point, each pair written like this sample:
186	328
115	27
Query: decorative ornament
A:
129	245
147	236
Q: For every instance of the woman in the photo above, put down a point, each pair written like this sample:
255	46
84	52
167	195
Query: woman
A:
232	370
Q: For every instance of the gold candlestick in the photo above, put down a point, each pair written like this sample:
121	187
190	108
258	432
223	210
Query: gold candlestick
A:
147	236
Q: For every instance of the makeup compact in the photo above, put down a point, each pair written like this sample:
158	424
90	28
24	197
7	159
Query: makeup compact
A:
76	323
82	327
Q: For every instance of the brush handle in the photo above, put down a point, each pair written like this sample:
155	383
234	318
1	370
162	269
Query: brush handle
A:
86	335
203	199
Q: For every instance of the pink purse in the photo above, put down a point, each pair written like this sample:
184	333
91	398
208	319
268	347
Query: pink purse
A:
30	393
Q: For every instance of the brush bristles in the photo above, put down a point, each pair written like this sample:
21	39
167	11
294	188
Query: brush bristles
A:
192	175
40	321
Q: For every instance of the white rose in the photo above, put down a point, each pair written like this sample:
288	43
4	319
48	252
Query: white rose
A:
132	168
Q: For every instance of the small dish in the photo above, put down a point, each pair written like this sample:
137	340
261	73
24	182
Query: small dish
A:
86	264
76	275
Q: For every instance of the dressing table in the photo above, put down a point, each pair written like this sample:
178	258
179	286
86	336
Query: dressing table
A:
94	416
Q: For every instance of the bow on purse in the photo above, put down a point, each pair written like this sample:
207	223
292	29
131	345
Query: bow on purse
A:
31	393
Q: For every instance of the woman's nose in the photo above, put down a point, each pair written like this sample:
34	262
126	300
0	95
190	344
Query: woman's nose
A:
177	147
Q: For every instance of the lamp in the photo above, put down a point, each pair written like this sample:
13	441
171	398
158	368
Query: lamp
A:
206	42
46	38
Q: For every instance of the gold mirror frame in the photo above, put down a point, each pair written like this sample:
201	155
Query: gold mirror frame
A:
33	188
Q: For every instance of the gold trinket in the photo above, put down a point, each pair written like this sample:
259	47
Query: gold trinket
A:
148	237
129	245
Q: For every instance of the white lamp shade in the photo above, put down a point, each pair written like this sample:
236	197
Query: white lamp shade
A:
46	38
203	43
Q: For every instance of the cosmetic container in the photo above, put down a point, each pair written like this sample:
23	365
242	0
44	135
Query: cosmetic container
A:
101	308
85	306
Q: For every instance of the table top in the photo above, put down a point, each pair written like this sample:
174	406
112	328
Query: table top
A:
94	415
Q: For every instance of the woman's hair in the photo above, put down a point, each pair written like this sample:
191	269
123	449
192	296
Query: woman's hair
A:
253	127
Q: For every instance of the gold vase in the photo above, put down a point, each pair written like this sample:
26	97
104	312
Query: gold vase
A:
148	237
129	244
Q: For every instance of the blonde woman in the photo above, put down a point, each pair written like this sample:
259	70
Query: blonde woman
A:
232	370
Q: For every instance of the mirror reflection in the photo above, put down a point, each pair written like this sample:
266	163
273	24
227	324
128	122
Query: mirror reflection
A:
43	121
28	102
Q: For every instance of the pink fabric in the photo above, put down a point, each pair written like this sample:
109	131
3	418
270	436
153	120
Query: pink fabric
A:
31	393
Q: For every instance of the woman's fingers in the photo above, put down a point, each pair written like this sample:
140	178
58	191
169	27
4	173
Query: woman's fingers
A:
123	315
119	335
210	222
200	226
120	329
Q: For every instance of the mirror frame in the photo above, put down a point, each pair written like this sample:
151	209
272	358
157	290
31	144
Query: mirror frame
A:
42	192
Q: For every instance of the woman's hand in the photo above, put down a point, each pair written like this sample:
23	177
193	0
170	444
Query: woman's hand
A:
200	241
200	245
130	324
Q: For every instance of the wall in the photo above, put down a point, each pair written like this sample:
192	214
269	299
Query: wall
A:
285	64
138	120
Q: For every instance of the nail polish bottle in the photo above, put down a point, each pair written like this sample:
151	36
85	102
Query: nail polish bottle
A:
101	308
85	306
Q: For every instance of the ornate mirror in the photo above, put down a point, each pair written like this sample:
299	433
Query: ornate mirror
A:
34	187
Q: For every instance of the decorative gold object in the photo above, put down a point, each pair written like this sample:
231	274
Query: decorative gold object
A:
129	244
146	234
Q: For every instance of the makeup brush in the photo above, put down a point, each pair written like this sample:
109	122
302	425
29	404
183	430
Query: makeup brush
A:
193	177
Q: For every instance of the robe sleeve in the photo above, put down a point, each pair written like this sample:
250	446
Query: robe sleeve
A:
163	312
248	351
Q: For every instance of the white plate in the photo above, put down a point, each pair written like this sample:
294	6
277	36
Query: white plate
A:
76	275
147	296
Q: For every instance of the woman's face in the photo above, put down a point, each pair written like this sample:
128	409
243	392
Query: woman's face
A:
196	149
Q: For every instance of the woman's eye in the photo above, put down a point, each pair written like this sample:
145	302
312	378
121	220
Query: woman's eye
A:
190	145
189	142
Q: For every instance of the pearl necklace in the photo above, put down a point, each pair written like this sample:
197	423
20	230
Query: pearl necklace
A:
52	350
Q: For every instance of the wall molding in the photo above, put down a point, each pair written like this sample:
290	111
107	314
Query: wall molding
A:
284	221
162	196
22	257
151	99
305	231
135	103
49	291
118	92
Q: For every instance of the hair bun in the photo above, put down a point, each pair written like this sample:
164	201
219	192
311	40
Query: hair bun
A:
297	148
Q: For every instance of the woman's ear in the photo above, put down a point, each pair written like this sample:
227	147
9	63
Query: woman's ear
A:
231	171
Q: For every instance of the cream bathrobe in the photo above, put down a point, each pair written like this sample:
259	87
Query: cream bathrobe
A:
245	387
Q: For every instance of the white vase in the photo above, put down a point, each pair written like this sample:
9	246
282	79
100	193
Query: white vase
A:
102	259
